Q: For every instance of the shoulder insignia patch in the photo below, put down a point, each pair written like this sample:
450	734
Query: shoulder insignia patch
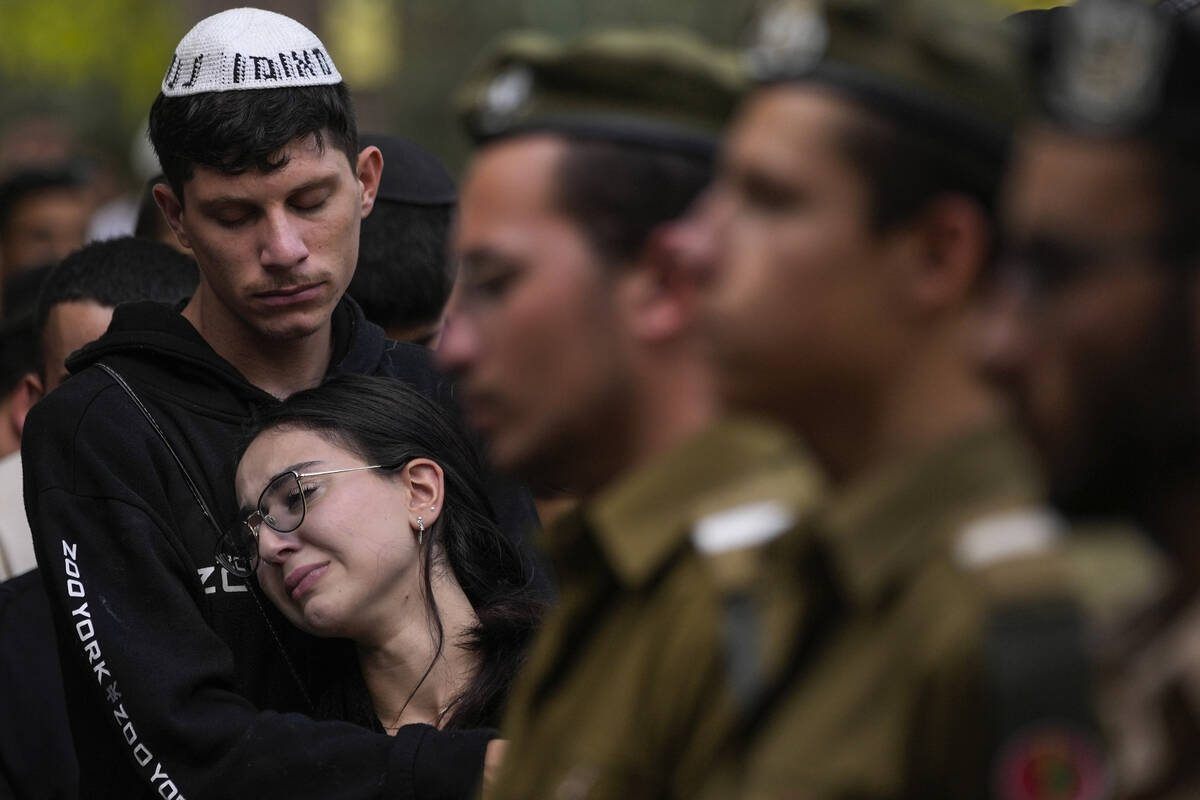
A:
741	527
1001	537
1051	762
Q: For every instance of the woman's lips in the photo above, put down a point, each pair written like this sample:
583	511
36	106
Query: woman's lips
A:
302	579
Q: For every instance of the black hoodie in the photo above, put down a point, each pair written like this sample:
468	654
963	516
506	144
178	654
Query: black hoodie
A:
174	670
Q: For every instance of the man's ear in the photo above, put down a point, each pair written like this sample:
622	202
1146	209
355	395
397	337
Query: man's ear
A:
954	241
28	392
172	210
661	290
370	170
425	483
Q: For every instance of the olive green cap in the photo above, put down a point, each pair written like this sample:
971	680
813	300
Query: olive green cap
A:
951	66
658	87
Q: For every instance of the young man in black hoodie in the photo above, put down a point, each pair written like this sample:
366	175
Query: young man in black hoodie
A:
180	679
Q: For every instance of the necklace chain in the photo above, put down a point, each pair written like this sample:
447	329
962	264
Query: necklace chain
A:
395	726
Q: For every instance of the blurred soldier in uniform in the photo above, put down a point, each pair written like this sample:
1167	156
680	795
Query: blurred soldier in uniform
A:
936	646
571	334
1094	329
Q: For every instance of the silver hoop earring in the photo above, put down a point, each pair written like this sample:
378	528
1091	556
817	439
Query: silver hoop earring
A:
420	531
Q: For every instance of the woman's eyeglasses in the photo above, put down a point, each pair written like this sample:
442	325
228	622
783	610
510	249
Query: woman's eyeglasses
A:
282	506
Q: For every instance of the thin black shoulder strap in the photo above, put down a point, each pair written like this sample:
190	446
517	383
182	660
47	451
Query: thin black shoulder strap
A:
195	490
137	401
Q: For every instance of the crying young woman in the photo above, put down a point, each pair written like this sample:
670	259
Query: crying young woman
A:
364	517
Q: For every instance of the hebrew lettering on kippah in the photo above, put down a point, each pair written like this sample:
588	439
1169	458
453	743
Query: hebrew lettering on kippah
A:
303	64
173	72
196	62
270	73
322	61
239	68
283	63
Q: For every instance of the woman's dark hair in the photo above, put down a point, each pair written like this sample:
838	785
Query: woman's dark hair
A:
236	131
387	422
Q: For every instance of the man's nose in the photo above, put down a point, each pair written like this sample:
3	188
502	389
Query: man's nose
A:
459	340
1004	335
696	238
282	244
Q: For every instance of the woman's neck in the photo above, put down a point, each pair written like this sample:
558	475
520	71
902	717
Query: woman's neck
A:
408	679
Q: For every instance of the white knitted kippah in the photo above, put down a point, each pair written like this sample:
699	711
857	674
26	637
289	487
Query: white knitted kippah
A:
247	48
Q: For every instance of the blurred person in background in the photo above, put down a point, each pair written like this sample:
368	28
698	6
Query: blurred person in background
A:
936	635
17	358
1093	327
571	335
44	215
37	758
79	296
404	273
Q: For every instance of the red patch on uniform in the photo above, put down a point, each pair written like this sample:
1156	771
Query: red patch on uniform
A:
1051	762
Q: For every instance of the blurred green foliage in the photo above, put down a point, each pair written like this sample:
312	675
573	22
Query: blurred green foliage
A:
95	64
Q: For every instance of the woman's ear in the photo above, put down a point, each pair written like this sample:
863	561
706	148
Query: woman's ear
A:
426	485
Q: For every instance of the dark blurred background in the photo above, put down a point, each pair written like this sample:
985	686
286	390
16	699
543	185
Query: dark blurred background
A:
79	75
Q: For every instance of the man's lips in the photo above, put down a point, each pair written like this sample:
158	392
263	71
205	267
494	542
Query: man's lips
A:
480	412
291	294
300	580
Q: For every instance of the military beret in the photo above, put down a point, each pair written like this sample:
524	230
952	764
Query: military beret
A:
411	174
949	66
1119	68
663	88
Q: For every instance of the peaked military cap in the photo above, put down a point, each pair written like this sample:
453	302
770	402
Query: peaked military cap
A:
657	87
1119	68
948	66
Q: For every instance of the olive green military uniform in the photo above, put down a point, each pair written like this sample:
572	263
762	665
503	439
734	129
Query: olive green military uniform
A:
949	660
627	691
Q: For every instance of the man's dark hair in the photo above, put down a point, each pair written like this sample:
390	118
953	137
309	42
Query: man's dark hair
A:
906	167
404	276
387	422
239	130
29	182
113	272
619	193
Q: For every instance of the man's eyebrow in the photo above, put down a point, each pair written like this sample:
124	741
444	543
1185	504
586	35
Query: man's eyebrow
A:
325	181
481	258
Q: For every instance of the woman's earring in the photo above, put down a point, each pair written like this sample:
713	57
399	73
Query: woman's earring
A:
420	531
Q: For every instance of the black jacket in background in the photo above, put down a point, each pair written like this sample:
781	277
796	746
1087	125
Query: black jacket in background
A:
37	757
174	673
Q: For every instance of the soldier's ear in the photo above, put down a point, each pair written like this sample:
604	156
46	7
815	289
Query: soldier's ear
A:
664	294
954	237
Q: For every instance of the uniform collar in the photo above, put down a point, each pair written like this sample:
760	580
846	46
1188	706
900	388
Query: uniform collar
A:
643	519
895	519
